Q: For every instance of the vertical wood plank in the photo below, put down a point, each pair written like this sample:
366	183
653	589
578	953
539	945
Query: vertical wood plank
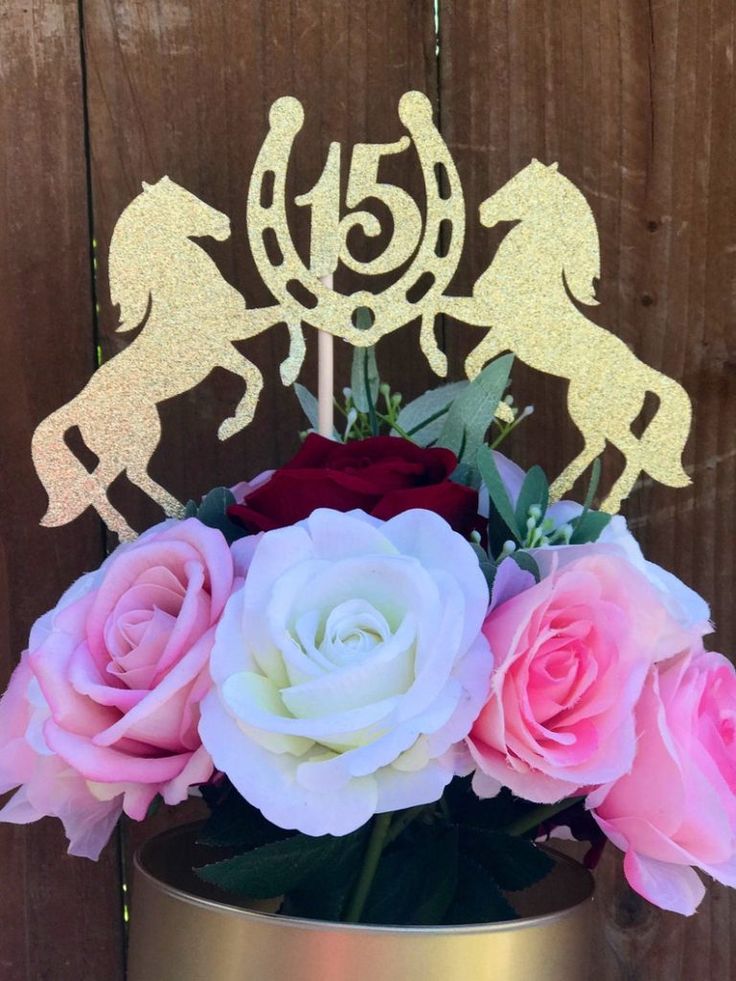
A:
184	90
57	911
636	101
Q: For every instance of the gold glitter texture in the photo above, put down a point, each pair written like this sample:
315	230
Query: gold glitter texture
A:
162	279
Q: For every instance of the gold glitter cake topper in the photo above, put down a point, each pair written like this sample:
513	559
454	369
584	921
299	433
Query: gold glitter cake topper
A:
162	279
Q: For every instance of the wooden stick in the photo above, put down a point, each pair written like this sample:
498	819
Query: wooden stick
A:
326	377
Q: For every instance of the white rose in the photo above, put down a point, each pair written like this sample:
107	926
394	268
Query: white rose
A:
347	668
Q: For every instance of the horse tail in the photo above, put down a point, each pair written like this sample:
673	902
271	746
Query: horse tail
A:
664	439
64	478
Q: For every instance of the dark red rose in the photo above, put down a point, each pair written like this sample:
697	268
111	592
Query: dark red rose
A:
383	475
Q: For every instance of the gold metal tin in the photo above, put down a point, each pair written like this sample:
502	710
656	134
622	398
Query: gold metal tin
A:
180	931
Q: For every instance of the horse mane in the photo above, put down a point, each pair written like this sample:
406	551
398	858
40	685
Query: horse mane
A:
129	265
579	244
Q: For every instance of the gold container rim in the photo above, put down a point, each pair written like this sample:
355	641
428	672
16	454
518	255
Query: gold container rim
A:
585	887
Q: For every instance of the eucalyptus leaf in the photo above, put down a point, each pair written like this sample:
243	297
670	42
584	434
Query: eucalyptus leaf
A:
499	497
309	404
424	418
588	527
534	491
472	412
466	475
213	512
364	379
486	563
526	562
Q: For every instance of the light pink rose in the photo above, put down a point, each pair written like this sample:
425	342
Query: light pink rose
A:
677	806
571	654
50	787
121	666
690	609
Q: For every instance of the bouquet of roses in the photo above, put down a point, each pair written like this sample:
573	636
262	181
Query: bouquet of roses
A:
391	667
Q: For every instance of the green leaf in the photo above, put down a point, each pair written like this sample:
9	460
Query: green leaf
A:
416	880
595	479
588	526
364	379
272	869
513	862
486	563
190	509
324	894
526	562
234	823
473	410
478	898
466	475
424	418
534	491
213	513
497	490
309	404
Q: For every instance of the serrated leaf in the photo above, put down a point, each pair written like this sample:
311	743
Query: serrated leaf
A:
416	881
473	410
527	562
324	895
424	418
513	862
478	898
499	497
234	823
273	869
534	491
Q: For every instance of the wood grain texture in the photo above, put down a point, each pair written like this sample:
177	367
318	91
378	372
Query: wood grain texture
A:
55	909
636	101
184	90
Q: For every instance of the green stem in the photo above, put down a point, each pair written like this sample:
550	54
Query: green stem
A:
395	426
376	843
532	819
403	820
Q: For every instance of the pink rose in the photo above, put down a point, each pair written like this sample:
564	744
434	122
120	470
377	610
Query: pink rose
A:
571	654
677	806
122	664
50	787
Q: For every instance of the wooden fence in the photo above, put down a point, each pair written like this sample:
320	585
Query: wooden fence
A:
637	102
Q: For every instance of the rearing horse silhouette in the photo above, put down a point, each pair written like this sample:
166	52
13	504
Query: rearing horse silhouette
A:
524	296
191	317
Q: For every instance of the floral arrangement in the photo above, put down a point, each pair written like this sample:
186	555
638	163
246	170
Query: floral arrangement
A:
392	668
